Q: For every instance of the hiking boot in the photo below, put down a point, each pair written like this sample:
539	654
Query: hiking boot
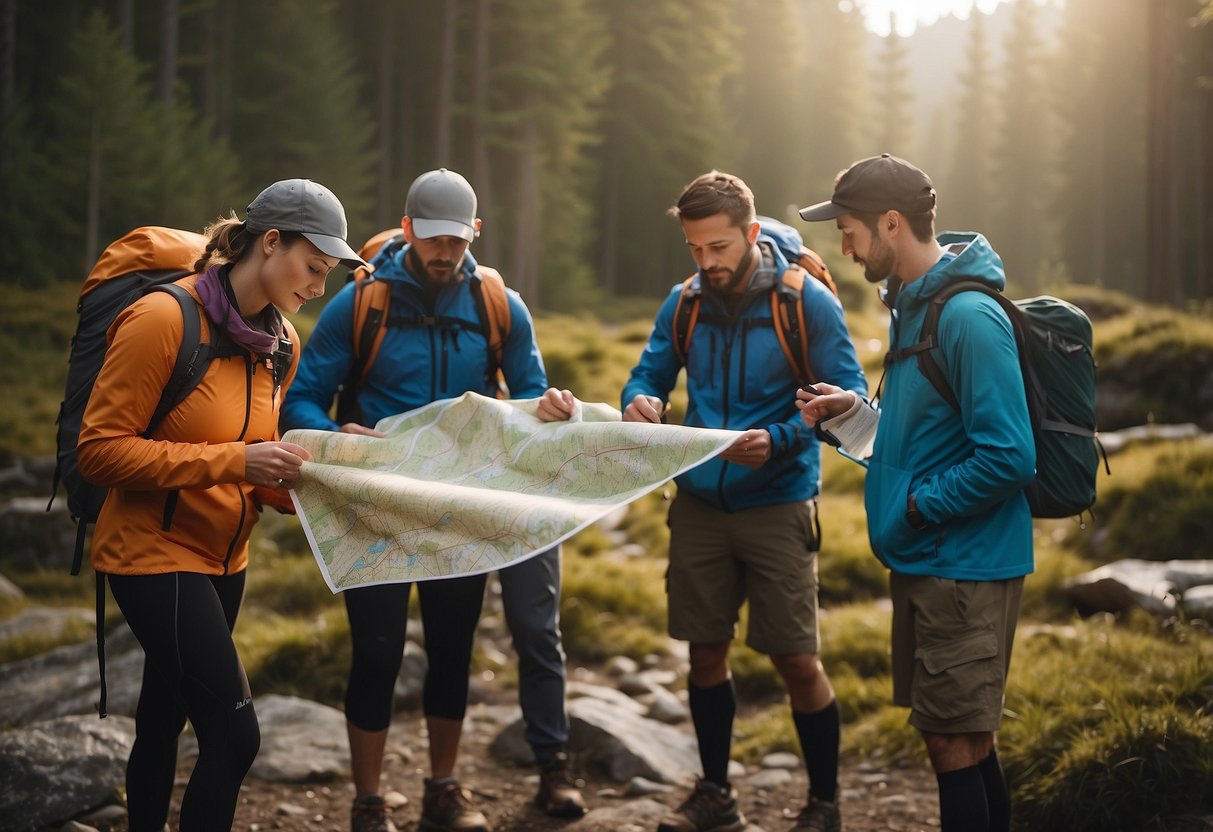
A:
709	809
447	807
558	791
819	816
370	814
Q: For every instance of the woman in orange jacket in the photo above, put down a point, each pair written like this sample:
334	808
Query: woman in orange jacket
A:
172	537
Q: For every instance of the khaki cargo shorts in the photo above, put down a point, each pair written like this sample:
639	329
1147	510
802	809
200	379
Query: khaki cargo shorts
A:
718	560
952	649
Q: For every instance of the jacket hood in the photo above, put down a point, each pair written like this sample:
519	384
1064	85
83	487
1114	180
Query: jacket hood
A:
974	259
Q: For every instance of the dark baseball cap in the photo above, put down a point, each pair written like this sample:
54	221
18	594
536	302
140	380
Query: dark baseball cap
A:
441	203
873	186
307	208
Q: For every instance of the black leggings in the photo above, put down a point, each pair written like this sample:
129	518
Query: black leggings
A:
378	617
184	623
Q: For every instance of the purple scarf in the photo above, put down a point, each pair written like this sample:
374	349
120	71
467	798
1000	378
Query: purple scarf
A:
223	312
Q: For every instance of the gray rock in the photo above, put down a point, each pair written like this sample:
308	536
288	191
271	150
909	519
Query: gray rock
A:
46	622
411	678
1198	602
615	740
781	759
55	770
301	741
641	787
76	826
34	536
771	778
579	690
618	666
1155	586
66	681
668	708
632	816
106	817
9	591
1115	441
635	684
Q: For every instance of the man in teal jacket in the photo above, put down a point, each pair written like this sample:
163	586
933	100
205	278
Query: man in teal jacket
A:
944	489
744	524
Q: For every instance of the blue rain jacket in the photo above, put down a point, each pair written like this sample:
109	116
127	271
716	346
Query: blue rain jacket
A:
738	378
415	365
966	471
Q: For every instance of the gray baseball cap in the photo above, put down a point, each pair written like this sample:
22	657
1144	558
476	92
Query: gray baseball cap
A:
873	186
308	208
441	203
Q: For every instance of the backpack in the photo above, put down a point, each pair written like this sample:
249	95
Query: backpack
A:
1053	338
787	310
372	304
147	259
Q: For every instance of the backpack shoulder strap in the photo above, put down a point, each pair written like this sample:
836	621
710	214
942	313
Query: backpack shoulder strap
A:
192	356
787	313
372	298
493	304
686	315
812	263
928	336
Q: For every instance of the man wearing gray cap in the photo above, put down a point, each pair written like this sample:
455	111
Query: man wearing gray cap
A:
944	489
435	347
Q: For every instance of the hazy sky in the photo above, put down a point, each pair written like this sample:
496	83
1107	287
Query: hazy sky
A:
909	14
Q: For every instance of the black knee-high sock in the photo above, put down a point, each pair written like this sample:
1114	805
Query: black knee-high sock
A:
712	711
819	734
962	801
998	796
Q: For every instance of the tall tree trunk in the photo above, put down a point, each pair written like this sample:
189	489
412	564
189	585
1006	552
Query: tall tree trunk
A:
446	86
525	271
385	199
208	84
169	23
1204	194
481	174
226	20
1161	213
8	86
92	218
126	25
610	225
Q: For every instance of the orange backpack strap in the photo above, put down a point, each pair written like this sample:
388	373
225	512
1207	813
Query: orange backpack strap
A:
494	306
371	301
812	263
686	315
787	311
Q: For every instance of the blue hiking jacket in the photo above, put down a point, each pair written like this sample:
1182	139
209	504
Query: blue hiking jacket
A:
966	471
738	378
416	364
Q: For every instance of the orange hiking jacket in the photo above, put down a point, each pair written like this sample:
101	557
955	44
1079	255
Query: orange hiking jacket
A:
190	472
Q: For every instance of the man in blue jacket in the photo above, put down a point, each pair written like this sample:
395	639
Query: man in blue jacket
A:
944	489
433	349
743	525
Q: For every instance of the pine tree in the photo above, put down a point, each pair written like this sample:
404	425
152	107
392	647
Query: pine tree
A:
966	186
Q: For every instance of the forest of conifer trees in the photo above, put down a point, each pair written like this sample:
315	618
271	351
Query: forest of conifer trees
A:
1077	135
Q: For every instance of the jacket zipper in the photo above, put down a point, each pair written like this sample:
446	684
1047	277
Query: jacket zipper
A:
249	367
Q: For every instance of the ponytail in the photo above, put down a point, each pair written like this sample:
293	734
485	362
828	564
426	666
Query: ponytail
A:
228	240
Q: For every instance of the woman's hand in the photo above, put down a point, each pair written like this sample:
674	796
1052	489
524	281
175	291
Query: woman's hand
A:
273	464
751	449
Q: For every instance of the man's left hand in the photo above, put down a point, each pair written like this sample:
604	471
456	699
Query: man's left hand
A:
556	405
751	449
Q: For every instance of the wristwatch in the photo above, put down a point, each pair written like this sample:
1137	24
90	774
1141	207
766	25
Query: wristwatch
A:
913	516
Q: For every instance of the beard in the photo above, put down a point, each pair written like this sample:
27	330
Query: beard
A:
726	281
879	264
435	272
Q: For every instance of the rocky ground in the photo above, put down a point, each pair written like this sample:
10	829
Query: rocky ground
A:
873	798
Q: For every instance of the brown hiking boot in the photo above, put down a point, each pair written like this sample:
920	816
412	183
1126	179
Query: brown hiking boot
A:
447	807
818	816
370	814
709	809
559	793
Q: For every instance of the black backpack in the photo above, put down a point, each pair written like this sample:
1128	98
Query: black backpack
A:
1053	338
